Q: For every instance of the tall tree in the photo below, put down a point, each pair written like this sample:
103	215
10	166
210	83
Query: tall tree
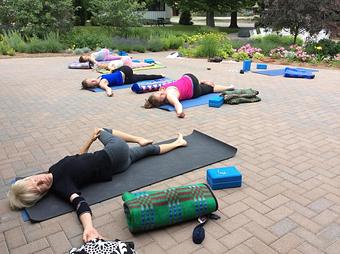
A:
233	6
118	13
305	15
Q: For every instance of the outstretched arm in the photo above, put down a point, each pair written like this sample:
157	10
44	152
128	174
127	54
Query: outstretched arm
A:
85	218
85	148
173	100
104	84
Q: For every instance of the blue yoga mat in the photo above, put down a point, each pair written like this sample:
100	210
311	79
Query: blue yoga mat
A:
144	82
280	72
191	103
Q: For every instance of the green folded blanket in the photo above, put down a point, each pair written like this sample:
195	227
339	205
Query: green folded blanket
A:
238	96
153	209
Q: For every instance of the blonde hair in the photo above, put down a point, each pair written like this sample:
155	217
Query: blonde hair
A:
21	195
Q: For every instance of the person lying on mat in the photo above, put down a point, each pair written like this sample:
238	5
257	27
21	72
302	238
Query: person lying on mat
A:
187	87
123	61
101	55
66	177
121	76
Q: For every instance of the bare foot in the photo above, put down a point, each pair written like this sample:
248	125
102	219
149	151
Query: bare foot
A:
144	141
180	140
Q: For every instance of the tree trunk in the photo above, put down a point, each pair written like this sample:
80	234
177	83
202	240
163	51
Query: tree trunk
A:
233	20
296	33
210	18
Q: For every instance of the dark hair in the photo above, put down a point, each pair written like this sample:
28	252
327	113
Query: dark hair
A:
152	102
82	59
84	84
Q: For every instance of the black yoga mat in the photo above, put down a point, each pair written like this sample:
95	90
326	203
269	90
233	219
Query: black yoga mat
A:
202	150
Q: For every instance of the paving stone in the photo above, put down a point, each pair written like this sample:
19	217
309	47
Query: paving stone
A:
235	222
59	242
291	136
279	213
259	247
283	227
32	247
307	248
286	243
235	238
334	248
305	222
152	248
330	234
320	205
258	218
241	249
15	238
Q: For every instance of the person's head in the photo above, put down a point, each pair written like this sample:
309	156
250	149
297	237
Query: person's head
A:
90	83
84	58
155	100
26	192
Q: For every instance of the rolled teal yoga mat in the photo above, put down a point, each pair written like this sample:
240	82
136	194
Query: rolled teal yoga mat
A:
140	83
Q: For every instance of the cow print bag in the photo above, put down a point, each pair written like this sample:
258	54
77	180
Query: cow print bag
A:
99	246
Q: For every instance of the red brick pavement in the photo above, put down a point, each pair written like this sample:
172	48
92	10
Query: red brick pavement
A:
288	152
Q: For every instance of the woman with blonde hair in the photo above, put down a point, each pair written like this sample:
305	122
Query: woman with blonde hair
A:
69	175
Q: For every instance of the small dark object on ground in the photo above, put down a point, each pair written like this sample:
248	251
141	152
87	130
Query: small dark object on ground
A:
215	59
241	71
208	69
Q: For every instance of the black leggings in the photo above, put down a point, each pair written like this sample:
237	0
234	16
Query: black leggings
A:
121	155
131	78
199	88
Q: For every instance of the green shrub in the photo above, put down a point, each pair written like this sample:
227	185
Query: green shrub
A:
15	41
175	41
5	49
139	48
279	40
155	45
258	56
324	47
240	56
35	17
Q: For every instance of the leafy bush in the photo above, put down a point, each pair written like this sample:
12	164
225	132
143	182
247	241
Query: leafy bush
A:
15	41
240	56
155	45
207	45
5	48
282	40
35	17
324	47
258	56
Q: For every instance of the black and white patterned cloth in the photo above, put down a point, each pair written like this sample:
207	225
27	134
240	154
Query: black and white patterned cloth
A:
99	246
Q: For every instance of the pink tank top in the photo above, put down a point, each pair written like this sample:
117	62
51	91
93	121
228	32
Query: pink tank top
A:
184	86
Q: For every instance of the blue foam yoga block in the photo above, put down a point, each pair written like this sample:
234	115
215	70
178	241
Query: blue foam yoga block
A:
222	178
149	60
261	66
216	101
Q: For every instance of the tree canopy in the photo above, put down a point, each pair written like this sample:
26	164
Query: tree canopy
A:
36	17
306	15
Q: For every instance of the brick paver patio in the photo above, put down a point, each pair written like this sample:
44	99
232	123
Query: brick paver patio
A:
288	152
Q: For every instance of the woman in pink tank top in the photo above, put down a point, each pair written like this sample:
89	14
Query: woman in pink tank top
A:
187	87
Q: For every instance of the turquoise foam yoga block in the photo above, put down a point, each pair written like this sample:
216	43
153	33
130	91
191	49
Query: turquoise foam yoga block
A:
149	60
261	66
216	101
222	178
